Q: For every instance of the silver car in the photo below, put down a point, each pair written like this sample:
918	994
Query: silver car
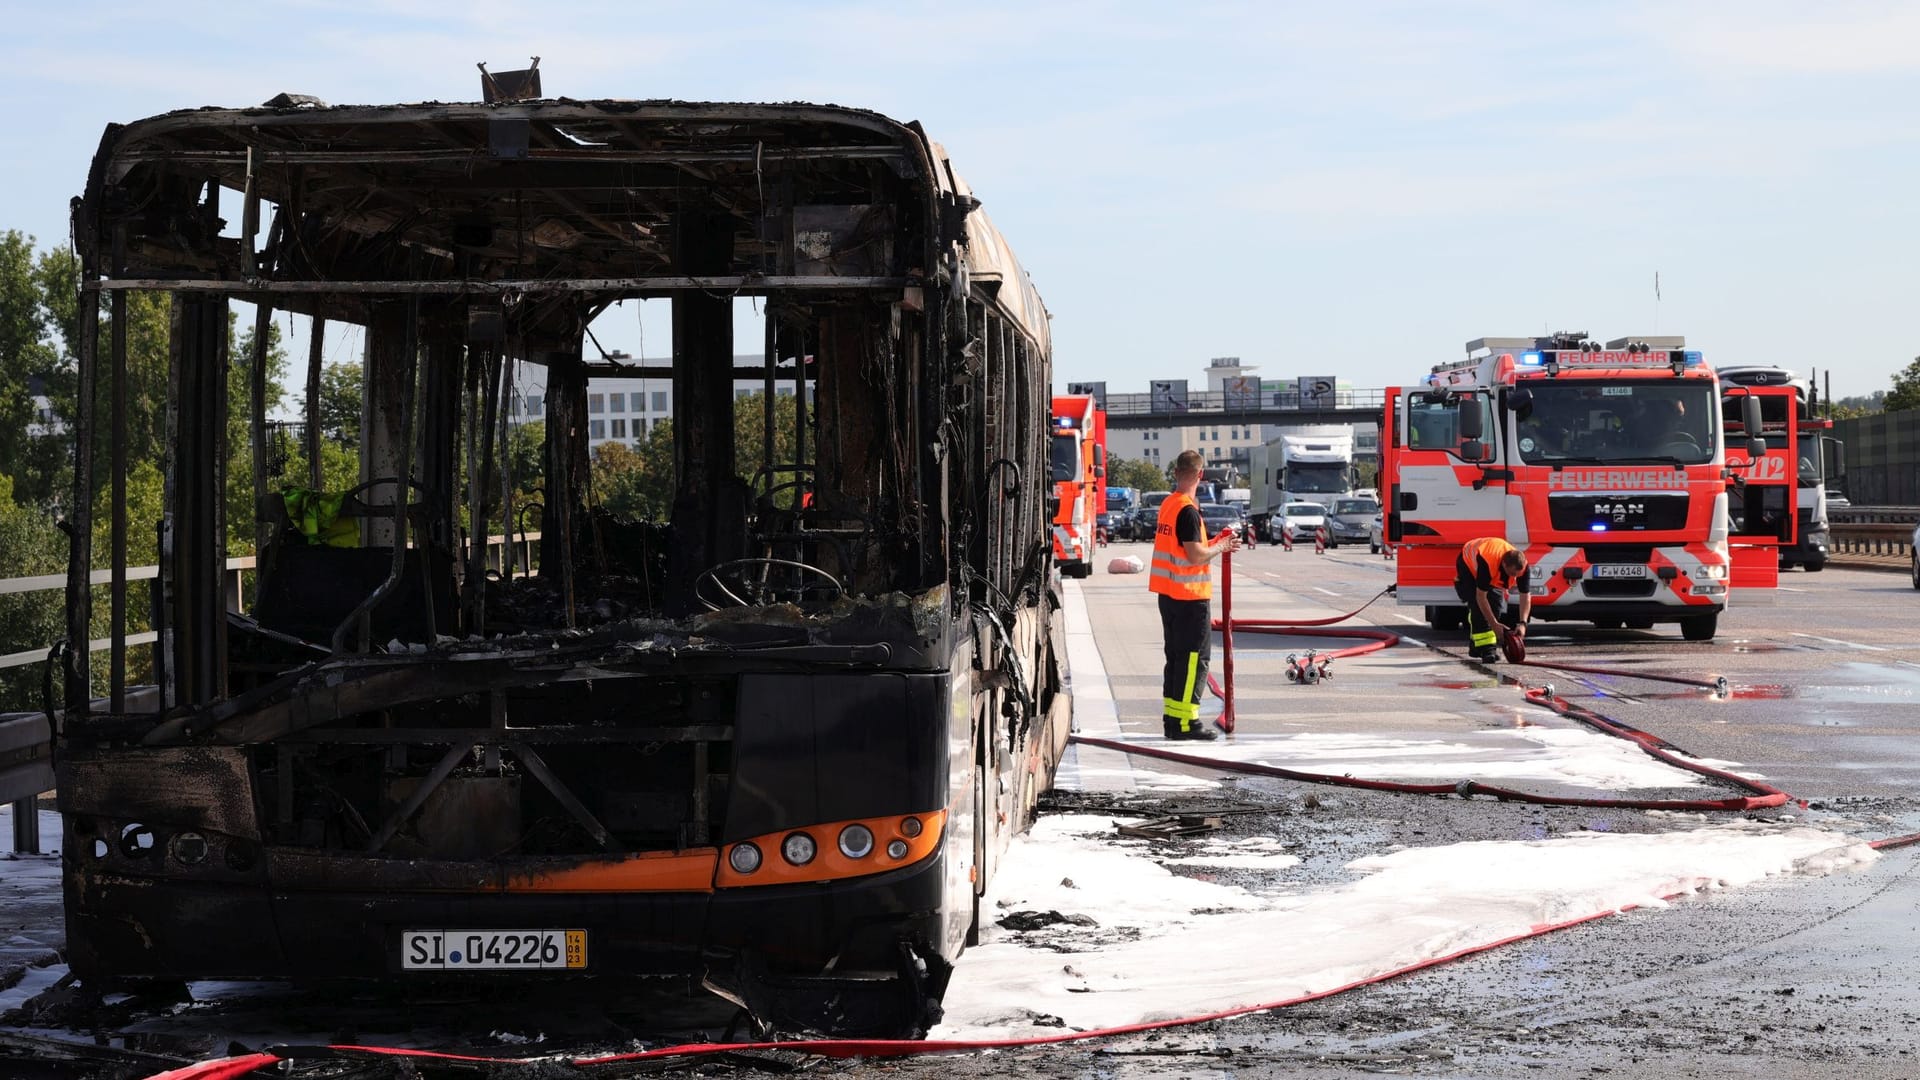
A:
1296	522
1350	520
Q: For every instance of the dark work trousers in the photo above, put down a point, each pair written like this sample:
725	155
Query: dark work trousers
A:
1187	627
1479	635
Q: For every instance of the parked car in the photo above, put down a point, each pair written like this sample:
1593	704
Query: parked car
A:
1108	525
1296	521
1377	534
1350	520
1222	516
1142	522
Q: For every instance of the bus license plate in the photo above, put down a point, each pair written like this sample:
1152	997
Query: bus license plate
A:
1626	570
492	950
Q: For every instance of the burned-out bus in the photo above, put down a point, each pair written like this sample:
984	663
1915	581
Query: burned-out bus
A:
770	741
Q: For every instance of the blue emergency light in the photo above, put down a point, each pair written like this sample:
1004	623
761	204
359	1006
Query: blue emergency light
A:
1694	357
1598	526
1531	359
1063	422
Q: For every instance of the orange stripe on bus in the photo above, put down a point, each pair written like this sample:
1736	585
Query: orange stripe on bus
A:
646	871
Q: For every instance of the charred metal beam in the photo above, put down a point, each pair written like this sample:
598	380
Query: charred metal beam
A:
693	733
117	452
316	341
257	429
194	558
538	767
390	344
238	157
566	461
703	406
640	286
418	798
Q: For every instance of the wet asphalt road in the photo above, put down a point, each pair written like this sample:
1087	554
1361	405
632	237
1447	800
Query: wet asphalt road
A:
1789	977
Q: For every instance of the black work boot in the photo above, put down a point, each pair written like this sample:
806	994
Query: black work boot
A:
1199	732
1486	654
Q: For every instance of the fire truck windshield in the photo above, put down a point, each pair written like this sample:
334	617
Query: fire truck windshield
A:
1066	457
1629	420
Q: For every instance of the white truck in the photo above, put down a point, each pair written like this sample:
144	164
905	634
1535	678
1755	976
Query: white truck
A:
1316	466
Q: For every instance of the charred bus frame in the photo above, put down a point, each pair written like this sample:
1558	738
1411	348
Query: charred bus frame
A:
773	743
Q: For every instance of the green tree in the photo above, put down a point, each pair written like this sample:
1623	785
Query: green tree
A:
30	545
1906	388
339	404
27	354
1135	473
636	482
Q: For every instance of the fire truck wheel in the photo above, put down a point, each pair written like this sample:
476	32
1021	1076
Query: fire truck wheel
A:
1700	627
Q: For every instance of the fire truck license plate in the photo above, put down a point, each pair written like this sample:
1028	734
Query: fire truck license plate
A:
492	950
1619	570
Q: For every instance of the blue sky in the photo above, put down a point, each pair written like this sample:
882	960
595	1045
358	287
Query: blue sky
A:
1354	188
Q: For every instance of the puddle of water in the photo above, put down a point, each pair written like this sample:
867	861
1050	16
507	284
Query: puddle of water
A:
1879	684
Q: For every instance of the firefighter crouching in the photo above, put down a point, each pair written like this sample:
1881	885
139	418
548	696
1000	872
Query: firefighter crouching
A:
1486	570
1181	577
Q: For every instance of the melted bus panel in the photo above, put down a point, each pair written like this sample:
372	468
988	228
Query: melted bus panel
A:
771	737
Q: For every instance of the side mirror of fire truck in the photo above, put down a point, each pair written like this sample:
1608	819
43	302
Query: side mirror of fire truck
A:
1473	419
1473	427
1750	419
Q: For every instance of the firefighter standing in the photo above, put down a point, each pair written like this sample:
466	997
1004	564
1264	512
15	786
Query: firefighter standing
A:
1486	570
1181	552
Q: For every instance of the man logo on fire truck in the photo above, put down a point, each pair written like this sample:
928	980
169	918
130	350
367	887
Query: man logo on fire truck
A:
1608	467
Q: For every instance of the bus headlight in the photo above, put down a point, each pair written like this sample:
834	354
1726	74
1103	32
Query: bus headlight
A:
856	841
744	858
797	848
189	848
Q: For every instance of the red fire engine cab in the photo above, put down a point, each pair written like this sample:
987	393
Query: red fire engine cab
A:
1610	466
1078	460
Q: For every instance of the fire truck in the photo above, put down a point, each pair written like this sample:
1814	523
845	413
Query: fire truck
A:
1079	475
1817	449
1610	466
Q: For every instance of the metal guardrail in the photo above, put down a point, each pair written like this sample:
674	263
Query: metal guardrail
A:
1871	530
26	770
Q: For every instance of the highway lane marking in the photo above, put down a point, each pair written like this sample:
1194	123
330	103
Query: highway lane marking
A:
1329	592
1790	588
1408	618
1837	641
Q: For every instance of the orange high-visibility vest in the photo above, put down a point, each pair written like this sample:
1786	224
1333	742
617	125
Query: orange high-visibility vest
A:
1174	573
1487	552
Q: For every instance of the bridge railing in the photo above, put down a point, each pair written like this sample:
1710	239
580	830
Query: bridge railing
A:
1210	404
26	738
